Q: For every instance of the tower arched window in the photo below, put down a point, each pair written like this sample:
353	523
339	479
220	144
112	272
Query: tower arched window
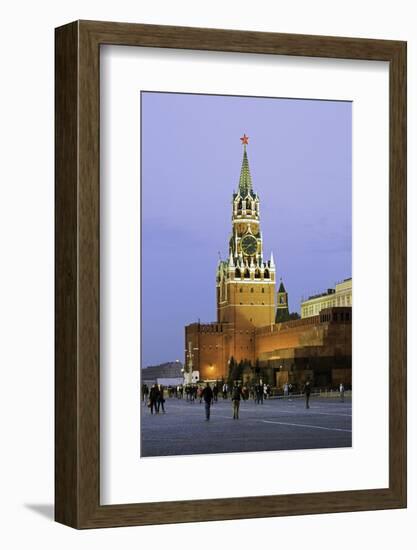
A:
246	274
237	273
266	274
257	274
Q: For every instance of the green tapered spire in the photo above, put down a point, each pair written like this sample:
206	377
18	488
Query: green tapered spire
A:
245	181
281	287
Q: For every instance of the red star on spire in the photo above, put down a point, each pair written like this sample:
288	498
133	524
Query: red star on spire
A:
244	139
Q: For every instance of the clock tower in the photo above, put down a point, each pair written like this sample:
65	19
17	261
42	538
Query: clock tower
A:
246	280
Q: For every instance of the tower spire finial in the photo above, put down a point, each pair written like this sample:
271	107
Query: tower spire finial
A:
245	180
244	139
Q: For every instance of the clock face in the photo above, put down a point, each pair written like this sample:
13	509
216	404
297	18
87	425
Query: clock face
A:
249	245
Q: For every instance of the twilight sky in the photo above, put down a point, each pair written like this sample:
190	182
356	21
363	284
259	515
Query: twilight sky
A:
300	158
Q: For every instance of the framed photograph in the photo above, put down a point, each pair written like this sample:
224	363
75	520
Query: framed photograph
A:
230	274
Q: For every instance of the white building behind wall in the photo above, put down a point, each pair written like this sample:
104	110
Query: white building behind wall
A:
340	296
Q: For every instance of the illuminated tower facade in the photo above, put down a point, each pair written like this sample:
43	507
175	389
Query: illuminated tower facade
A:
246	280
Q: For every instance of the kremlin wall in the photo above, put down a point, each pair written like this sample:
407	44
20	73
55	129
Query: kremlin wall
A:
253	321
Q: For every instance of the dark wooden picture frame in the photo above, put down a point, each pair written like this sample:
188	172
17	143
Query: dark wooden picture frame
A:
77	359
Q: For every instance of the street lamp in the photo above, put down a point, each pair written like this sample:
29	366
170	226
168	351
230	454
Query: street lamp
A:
188	372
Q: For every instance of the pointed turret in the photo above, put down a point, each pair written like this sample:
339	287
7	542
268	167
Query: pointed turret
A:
271	262
282	313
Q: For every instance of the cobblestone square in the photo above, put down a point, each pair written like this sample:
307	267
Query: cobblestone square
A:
277	424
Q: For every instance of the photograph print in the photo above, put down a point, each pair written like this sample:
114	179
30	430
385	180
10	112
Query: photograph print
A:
246	274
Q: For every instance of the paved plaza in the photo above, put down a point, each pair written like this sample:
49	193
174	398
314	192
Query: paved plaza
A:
277	424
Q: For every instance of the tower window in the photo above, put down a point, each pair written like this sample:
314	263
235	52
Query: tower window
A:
246	274
263	291
237	272
251	289
240	289
257	274
266	274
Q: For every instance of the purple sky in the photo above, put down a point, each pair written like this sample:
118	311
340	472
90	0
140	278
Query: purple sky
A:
300	157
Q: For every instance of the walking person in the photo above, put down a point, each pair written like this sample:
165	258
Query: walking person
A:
342	392
286	390
193	393
224	391
307	392
153	398
207	395
161	400
236	395
260	394
215	393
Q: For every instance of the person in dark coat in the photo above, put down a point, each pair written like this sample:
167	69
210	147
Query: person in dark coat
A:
259	394
161	400
236	395
215	392
153	399
207	395
307	392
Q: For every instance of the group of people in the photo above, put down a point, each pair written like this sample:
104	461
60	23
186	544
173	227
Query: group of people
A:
257	392
194	391
154	398
208	395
